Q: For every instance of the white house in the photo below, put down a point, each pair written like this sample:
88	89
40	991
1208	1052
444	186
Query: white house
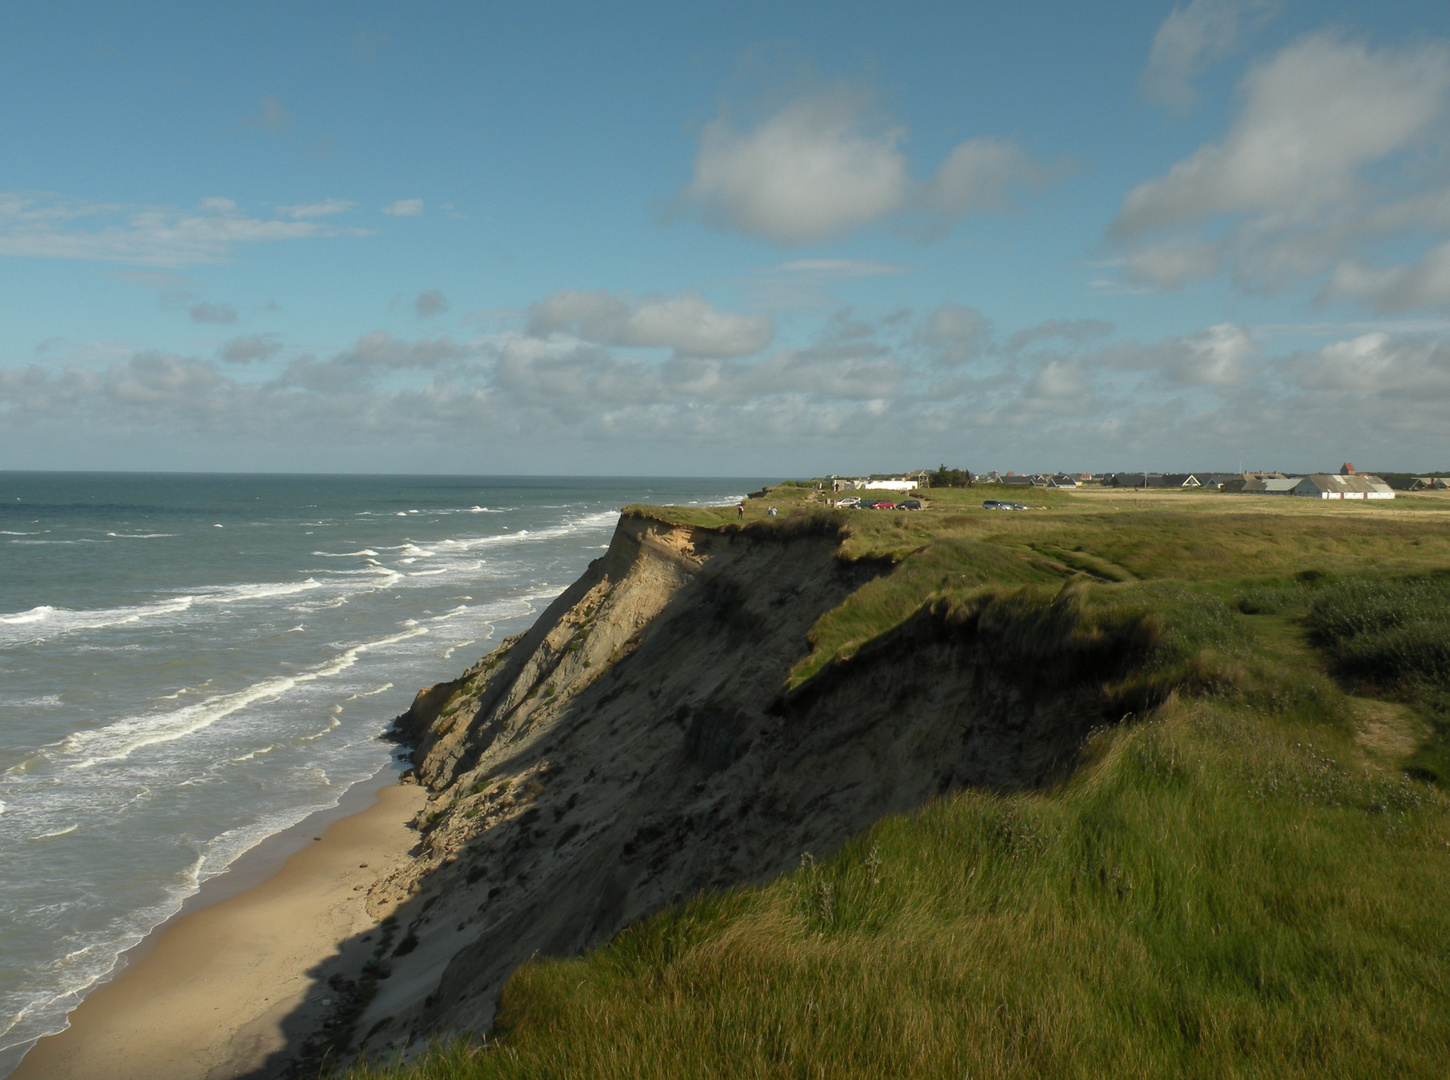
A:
1340	486
891	485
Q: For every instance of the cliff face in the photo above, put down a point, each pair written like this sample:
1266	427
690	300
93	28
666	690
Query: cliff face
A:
635	746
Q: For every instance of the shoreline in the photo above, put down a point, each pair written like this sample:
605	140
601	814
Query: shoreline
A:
238	974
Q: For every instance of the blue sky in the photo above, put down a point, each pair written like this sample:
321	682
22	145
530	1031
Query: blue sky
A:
772	239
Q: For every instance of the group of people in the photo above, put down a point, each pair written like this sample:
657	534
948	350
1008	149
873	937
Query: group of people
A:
740	511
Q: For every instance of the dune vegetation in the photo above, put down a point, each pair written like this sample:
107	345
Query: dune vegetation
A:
1246	871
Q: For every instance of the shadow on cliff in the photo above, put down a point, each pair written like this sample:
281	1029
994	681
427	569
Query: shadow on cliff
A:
567	806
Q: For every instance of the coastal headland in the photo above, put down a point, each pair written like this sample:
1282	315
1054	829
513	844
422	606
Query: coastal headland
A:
1147	782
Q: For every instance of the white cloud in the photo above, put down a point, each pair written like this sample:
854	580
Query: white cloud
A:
824	166
1313	117
1289	188
1072	330
205	312
810	172
1216	356
404	208
952	335
1380	364
53	227
154	279
153	378
244	350
430	303
325	208
977	175
1193	37
1424	283
686	323
1197	400
1057	383
1172	264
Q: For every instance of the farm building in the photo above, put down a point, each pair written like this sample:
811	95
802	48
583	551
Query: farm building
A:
1270	485
1342	486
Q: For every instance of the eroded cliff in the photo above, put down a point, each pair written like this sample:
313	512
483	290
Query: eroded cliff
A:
637	745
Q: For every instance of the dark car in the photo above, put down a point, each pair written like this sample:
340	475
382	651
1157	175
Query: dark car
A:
909	504
998	504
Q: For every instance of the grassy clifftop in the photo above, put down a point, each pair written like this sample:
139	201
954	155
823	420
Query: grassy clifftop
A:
1247	877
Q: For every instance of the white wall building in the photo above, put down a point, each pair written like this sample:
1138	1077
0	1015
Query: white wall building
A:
1340	486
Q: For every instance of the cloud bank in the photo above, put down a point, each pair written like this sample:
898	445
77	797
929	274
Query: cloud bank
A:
52	226
621	379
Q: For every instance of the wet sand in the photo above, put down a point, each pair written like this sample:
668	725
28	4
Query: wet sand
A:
205	999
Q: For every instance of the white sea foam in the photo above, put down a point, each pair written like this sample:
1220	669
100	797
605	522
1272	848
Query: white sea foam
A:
40	623
368	552
45	621
117	741
58	832
141	536
35	614
333	723
371	693
48	701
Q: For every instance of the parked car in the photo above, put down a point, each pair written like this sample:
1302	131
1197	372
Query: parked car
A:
848	503
909	504
999	504
882	504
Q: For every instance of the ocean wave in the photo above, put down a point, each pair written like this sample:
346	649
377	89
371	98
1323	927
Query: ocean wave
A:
454	613
141	536
332	725
233	594
588	523
57	832
365	552
48	701
118	740
45	621
370	693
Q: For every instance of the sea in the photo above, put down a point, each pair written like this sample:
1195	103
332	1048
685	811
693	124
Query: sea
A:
191	664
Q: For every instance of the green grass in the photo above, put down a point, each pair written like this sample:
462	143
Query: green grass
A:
1229	886
1212	896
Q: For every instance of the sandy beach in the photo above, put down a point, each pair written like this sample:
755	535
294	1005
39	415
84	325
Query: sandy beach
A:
207	999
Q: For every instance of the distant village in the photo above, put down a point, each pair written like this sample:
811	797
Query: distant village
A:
1347	483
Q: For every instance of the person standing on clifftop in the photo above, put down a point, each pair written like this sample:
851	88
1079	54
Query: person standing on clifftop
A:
740	510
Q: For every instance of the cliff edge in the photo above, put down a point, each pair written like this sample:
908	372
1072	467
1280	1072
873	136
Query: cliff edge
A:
637	745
